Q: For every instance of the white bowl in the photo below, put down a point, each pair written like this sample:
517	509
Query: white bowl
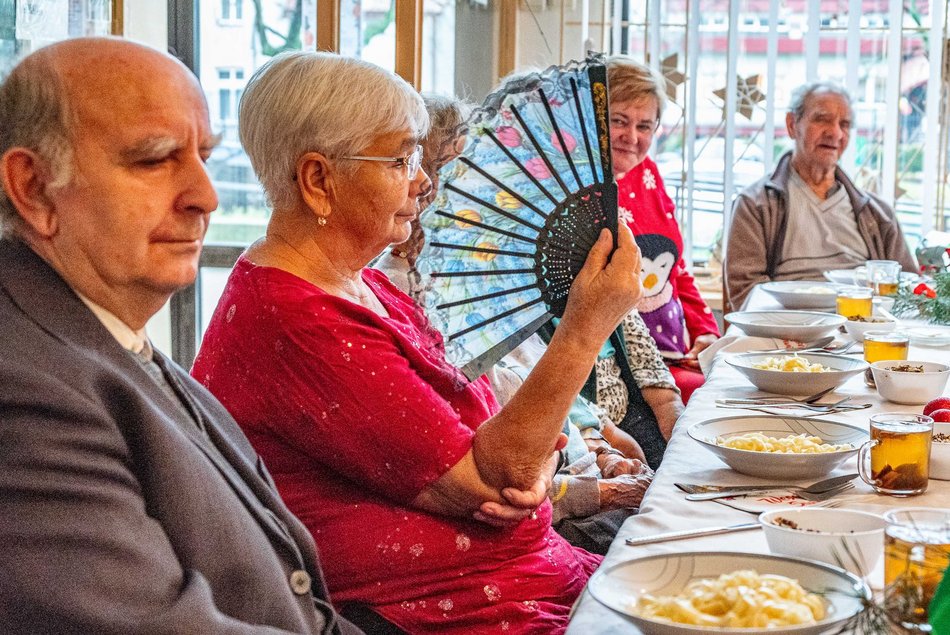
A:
802	294
910	388
777	465
884	302
801	326
858	276
940	454
931	336
856	329
843	537
790	383
844	276
619	587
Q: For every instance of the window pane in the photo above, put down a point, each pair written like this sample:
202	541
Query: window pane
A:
224	104
211	283
438	46
26	26
230	50
368	31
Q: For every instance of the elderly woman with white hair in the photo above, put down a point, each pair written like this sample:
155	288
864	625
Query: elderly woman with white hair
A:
425	498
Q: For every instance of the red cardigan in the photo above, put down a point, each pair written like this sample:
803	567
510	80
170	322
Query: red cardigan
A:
647	209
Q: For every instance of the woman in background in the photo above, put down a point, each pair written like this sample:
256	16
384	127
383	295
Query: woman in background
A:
680	321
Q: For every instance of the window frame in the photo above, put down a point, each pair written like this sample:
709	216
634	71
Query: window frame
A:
183	34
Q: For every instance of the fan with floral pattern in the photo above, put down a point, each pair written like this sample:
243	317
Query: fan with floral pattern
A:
518	211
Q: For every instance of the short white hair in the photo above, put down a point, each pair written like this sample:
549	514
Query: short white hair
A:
304	101
800	96
35	114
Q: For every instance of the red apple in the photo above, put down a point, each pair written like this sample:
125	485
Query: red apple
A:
942	415
940	403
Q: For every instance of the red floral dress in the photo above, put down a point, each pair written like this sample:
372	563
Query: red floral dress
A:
354	414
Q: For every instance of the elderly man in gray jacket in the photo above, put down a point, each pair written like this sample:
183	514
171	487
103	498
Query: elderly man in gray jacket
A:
130	502
807	217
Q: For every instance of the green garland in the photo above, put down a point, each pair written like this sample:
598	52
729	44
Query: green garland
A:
929	301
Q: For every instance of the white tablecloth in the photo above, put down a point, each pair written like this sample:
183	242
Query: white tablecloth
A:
665	508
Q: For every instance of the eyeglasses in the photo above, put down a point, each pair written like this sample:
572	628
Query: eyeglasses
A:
412	162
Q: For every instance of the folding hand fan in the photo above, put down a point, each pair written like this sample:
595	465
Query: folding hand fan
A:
518	211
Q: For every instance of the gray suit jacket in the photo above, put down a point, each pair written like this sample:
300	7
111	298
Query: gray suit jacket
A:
117	515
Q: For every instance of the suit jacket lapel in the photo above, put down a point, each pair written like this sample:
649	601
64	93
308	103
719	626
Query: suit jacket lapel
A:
220	448
44	296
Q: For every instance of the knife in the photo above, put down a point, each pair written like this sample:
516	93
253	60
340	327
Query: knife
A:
691	488
691	533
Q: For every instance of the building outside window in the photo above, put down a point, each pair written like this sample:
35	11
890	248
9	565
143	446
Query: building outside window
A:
232	10
26	26
230	88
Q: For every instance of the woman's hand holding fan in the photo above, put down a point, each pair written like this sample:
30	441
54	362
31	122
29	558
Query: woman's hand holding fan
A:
606	288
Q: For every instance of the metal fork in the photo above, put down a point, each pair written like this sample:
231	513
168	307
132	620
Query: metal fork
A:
813	410
837	350
823	496
828	504
761	400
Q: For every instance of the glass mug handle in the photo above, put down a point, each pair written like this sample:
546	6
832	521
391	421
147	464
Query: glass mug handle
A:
864	460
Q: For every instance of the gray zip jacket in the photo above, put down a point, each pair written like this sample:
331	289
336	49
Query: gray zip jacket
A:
757	231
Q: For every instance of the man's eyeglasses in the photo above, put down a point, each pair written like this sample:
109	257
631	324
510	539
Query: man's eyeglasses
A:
412	162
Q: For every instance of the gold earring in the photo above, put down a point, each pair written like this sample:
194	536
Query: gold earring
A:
321	220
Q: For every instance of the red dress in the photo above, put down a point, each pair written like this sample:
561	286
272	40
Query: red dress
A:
672	306
354	414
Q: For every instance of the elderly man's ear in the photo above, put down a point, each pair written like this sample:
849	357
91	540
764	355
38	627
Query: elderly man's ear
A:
25	178
790	125
315	183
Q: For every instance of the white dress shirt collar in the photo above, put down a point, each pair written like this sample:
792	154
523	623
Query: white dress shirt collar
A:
135	341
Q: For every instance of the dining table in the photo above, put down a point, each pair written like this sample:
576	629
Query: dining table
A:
665	509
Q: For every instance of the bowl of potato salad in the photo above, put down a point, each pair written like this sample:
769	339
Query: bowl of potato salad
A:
692	593
780	447
796	374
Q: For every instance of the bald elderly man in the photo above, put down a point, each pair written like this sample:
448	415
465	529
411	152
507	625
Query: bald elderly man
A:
808	216
130	502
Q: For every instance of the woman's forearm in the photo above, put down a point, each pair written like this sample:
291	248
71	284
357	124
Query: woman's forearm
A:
666	406
510	447
509	450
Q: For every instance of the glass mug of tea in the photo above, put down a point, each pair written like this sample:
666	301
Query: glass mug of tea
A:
916	555
883	346
854	302
883	276
898	454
